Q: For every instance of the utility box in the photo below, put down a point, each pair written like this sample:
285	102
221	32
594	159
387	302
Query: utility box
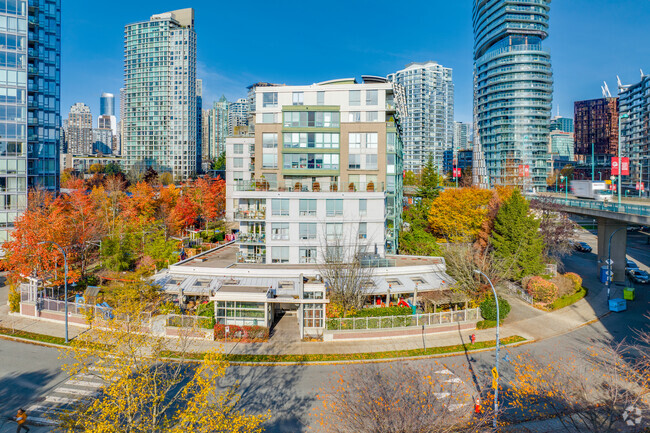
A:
628	294
604	270
617	305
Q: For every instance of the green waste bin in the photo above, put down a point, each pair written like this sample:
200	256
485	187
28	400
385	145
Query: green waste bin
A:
628	294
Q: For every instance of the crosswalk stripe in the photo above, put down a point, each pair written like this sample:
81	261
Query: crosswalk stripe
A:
443	372
84	392
62	400
43	421
85	383
440	395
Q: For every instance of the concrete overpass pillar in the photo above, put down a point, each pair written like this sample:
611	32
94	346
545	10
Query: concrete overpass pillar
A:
606	227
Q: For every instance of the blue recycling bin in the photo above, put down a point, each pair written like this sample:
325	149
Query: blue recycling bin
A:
603	274
617	305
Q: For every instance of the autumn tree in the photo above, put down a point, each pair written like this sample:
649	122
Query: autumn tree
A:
150	176
457	214
555	227
410	178
145	390
516	239
84	226
380	399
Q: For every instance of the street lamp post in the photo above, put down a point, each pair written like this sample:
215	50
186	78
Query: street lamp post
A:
609	262
496	388
65	283
565	179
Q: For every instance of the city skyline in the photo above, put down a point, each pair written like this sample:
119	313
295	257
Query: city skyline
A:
579	72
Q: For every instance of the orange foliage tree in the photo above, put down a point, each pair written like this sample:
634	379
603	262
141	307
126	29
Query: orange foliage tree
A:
457	214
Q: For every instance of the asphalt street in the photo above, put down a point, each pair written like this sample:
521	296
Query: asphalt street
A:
29	373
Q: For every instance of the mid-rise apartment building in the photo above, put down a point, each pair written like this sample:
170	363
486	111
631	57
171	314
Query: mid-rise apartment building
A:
30	100
563	124
513	91
237	115
160	100
635	130
429	123
323	169
462	136
596	132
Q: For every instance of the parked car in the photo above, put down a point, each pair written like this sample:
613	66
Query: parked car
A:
633	228
582	247
630	265
638	276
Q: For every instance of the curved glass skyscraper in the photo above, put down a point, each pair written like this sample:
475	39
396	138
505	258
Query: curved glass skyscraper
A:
513	91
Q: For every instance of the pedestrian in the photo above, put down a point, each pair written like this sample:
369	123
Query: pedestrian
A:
21	419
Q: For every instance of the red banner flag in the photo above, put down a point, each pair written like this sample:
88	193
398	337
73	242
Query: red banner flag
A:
625	166
614	166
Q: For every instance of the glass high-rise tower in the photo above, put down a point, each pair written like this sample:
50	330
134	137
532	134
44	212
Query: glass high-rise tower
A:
513	91
29	103
160	100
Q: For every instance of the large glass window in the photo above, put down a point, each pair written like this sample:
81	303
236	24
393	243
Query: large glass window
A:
238	148
280	255
307	231
372	97
240	313
268	117
316	161
317	140
307	119
372	116
363	207
354	116
280	206
298	98
334	207
354	140
313	316
280	231
270	160
354	161
320	98
363	230
270	99
308	207
334	231
308	255
355	98
269	140
238	162
371	162
371	140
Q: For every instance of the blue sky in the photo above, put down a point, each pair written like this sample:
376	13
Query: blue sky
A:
303	42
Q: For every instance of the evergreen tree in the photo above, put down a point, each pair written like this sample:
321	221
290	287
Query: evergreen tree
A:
516	238
429	181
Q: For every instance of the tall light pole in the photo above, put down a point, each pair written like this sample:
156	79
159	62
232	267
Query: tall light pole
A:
565	179
65	283
496	378
618	151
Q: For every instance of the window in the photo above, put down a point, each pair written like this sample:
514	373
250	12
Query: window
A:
372	97
320	98
354	162
363	207
238	148
280	231
334	254
363	230
371	162
269	140
354	116
313	316
371	140
390	164
308	255
238	162
240	313
270	160
280	206
391	140
354	140
269	99
298	98
355	98
305	119
334	207
316	161
307	231
372	116
280	255
268	118
318	140
308	207
334	231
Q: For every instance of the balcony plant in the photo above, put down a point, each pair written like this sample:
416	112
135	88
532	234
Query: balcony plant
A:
370	187
352	187
297	186
334	187
315	187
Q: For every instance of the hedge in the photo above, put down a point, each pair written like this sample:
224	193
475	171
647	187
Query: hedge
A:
383	312
489	309
576	279
542	290
245	334
565	301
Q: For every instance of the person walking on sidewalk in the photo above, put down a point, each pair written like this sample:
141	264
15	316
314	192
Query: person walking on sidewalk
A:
21	419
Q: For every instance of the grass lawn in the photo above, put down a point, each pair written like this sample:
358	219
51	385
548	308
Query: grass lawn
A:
32	336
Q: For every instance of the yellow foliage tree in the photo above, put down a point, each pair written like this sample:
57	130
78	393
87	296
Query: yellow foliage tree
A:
457	214
145	391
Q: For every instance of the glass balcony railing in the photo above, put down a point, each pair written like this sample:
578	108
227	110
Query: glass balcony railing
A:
250	214
250	258
251	238
308	186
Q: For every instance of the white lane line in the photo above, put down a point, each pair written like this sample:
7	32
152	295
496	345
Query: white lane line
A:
83	392
440	395
443	372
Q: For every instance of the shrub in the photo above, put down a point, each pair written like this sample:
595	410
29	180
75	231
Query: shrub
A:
564	285
206	310
241	333
486	324
576	279
14	300
383	312
169	308
565	301
489	309
542	290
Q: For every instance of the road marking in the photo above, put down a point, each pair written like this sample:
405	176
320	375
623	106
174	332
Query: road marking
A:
440	395
85	383
443	372
75	391
62	400
454	380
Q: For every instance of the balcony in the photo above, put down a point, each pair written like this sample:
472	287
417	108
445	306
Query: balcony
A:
250	214
251	258
252	238
298	186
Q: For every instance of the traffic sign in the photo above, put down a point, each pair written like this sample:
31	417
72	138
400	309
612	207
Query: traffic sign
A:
495	373
495	384
609	261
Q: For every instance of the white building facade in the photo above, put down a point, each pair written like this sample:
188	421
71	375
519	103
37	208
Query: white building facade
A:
429	125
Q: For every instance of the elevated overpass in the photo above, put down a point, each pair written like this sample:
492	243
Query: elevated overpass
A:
612	218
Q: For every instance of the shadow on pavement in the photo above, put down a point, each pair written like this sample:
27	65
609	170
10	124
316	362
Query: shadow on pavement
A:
21	390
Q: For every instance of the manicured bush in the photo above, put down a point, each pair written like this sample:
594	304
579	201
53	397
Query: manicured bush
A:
246	334
14	300
489	309
565	285
576	279
565	301
542	290
383	312
486	324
